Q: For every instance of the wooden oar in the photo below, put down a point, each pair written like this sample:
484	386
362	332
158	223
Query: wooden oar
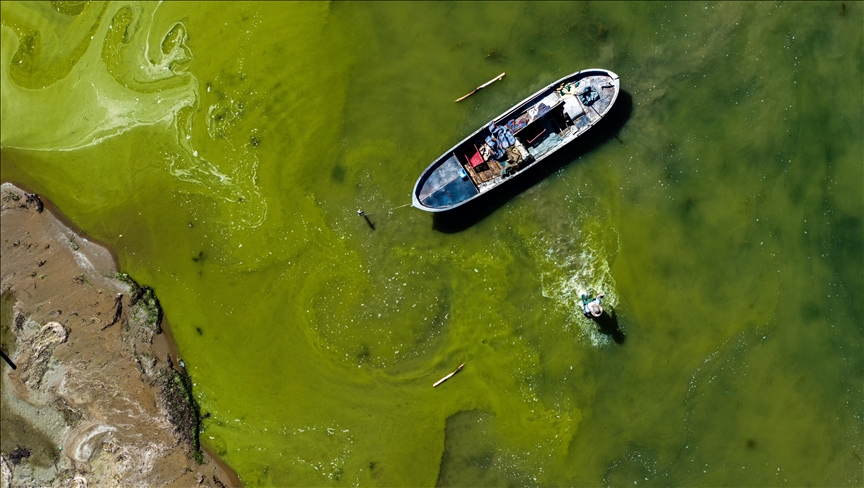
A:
484	85
442	380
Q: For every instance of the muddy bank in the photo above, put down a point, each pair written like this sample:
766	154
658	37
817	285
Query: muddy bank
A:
97	395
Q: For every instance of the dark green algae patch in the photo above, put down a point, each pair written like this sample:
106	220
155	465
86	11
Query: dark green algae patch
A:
183	409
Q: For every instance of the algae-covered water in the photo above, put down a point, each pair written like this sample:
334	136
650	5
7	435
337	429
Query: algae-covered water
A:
223	150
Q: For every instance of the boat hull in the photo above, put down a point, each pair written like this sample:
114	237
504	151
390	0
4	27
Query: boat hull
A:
540	125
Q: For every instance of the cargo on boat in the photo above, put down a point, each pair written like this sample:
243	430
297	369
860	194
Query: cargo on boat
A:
516	140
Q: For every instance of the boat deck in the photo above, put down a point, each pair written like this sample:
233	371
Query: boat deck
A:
579	117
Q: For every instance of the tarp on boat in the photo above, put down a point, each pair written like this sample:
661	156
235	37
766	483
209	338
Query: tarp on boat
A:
446	186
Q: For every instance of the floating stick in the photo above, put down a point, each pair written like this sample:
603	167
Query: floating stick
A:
442	380
484	85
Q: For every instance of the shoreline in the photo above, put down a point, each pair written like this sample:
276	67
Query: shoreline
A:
62	373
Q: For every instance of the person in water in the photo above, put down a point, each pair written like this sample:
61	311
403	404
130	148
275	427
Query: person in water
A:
591	306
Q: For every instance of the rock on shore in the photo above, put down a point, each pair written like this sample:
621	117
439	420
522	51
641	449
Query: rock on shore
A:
98	396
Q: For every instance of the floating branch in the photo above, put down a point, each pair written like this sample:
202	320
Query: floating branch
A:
442	380
484	85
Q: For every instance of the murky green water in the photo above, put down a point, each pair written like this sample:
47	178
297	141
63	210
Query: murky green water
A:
223	150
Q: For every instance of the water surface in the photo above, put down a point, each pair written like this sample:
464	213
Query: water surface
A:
223	150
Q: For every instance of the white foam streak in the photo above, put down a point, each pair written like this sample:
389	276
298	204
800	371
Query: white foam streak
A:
97	107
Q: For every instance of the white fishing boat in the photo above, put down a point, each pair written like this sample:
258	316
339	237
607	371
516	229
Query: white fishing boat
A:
516	140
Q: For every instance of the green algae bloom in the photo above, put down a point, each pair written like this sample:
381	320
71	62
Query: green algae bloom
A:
222	149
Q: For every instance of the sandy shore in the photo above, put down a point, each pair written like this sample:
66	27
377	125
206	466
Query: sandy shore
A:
98	396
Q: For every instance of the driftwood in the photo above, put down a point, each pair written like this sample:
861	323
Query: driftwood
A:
8	361
118	310
484	85
442	380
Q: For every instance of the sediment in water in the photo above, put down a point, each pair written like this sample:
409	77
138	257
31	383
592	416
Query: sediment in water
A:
98	395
